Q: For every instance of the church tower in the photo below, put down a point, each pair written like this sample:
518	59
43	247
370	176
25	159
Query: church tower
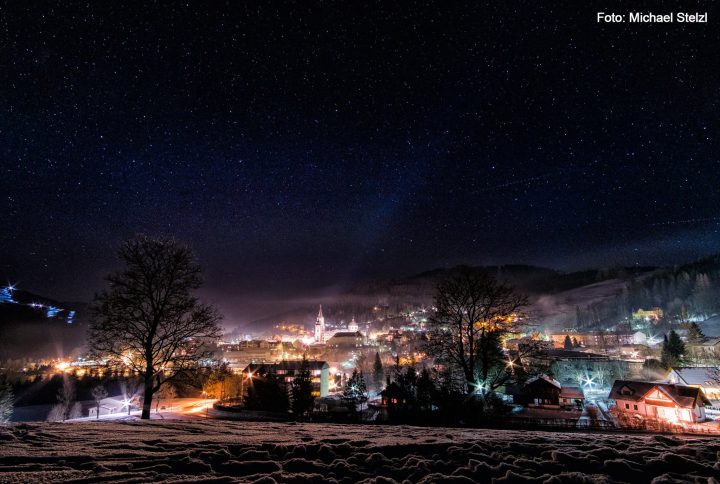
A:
353	326
320	327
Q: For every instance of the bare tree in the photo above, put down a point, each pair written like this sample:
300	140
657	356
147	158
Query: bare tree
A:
75	411
166	392
98	393
149	320
131	392
65	397
473	313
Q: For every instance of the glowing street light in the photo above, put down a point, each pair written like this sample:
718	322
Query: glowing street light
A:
479	387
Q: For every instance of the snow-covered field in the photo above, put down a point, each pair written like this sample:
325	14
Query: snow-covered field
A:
221	451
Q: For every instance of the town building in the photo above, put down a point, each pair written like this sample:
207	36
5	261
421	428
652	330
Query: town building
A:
545	392
662	401
287	370
653	314
320	327
703	377
346	339
240	354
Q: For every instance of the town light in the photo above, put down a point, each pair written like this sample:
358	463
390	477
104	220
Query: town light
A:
479	387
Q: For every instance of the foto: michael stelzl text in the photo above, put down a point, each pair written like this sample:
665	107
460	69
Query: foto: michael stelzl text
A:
650	18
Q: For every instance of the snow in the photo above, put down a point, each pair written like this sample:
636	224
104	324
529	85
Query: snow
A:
711	327
222	451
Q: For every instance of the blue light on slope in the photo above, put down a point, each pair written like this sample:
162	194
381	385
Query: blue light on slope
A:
52	311
6	295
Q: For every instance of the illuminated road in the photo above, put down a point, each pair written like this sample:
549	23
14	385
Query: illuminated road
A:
199	407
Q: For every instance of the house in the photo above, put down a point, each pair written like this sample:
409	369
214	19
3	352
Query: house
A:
704	377
287	370
662	401
545	392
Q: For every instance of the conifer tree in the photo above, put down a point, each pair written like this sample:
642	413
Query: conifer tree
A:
378	372
355	390
673	350
6	402
694	333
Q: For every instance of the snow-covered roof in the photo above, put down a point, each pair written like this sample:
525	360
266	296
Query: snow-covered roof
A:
711	327
701	375
683	396
548	379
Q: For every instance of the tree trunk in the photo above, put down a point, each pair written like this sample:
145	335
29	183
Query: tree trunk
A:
147	400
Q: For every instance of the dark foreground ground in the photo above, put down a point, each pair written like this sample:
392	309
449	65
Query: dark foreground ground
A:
220	451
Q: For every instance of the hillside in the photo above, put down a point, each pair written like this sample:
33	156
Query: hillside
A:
33	326
554	295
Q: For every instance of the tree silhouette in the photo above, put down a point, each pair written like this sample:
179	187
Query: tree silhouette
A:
673	350
98	393
301	390
694	333
148	319
355	391
473	313
268	392
378	372
166	392
65	396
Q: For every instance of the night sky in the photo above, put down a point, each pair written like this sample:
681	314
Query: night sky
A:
314	144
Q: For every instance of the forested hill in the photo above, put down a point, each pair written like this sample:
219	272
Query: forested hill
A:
590	299
690	290
388	297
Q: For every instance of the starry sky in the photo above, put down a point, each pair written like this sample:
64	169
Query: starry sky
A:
303	145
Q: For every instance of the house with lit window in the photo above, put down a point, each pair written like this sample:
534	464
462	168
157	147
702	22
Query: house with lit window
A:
704	377
662	401
544	391
287	370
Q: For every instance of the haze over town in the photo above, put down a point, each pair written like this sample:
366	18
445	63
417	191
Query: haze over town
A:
324	242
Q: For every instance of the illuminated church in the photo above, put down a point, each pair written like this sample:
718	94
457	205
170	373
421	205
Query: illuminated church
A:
320	328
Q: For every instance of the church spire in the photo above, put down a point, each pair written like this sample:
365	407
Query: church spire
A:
320	327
